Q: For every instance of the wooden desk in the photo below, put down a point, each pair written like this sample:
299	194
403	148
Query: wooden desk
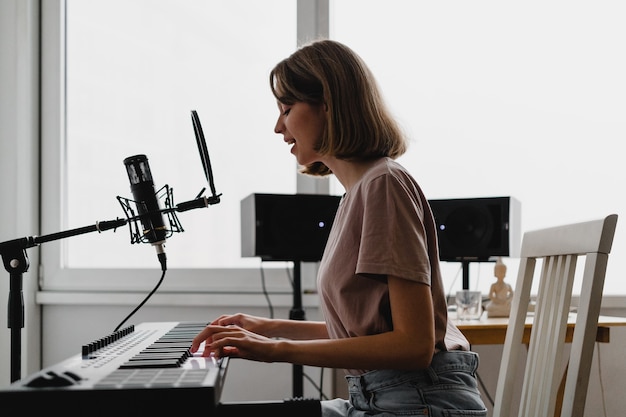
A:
492	331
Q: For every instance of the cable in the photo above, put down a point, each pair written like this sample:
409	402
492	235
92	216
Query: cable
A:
265	293
478	275
316	386
271	308
304	374
143	302
482	385
289	277
449	298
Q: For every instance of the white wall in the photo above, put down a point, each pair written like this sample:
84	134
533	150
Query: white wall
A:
19	201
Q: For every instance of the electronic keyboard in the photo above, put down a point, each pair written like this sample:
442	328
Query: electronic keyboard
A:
141	369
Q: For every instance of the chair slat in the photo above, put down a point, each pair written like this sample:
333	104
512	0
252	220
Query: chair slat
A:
559	249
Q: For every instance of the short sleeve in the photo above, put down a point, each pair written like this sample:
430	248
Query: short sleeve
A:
393	218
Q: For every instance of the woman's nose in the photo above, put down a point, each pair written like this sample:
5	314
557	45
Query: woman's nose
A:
279	127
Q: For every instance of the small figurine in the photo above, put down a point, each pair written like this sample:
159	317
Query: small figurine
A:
500	293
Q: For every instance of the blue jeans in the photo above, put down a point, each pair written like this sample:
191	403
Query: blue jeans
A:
446	388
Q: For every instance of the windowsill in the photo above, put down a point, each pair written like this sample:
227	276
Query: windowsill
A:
189	299
221	298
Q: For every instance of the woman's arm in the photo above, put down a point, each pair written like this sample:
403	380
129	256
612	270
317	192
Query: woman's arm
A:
410	345
289	329
262	326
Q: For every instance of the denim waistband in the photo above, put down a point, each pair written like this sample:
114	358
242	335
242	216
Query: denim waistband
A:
445	361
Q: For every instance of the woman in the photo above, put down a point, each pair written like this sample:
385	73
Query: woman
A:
379	278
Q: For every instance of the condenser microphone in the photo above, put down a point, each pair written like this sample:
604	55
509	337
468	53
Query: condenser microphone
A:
144	195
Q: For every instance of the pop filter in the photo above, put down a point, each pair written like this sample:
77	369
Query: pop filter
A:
204	152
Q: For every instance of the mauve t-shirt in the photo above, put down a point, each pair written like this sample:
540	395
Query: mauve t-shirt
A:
384	226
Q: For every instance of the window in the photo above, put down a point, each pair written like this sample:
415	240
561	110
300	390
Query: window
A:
491	91
135	70
487	91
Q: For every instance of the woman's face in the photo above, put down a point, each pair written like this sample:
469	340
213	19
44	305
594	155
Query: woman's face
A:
301	125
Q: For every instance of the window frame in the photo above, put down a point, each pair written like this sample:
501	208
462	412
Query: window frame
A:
313	20
54	276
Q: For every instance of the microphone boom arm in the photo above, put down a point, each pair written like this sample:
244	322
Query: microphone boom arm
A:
166	192
15	260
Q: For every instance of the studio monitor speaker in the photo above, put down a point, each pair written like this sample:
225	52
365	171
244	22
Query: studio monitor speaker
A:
477	229
286	227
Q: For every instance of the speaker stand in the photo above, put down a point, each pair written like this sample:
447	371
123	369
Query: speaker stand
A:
297	313
466	266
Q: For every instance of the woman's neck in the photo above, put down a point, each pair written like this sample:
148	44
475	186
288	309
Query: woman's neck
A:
350	172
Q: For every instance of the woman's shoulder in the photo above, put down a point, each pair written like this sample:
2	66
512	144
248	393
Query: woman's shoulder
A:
387	166
388	177
383	177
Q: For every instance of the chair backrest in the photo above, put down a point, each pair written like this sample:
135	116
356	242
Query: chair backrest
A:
558	249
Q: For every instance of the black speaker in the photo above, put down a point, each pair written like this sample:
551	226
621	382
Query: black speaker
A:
286	227
477	229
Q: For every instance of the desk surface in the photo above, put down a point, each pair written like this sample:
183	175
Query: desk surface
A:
492	330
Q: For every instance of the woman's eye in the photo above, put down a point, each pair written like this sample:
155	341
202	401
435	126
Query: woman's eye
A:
286	111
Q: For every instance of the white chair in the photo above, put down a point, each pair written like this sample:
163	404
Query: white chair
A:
558	249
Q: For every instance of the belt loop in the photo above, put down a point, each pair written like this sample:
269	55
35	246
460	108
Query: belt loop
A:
352	381
433	375
363	386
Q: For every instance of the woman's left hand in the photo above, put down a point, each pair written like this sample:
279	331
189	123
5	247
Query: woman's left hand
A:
234	341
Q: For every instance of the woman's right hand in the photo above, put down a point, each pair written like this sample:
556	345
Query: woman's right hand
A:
259	325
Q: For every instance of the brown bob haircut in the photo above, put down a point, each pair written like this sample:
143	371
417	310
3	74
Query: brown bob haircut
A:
359	125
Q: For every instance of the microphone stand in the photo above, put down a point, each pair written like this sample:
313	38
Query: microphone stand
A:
16	262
